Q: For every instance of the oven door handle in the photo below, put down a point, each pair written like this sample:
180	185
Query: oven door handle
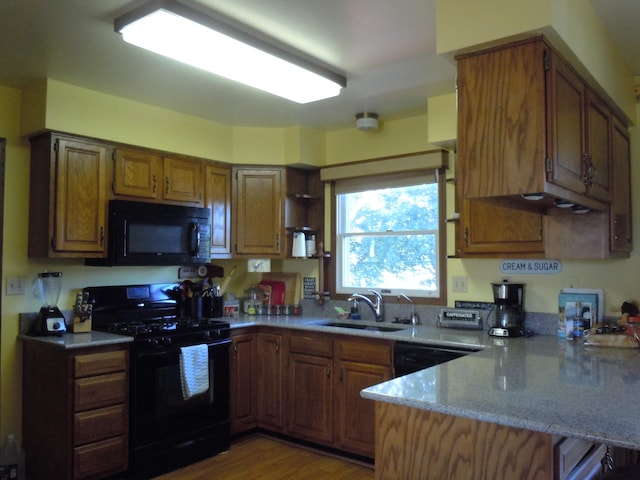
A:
163	350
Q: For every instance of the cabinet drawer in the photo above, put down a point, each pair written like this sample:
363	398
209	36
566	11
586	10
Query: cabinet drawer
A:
378	353
100	391
568	453
310	344
106	457
99	363
100	424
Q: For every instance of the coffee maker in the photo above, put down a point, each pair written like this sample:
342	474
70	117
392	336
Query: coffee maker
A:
507	317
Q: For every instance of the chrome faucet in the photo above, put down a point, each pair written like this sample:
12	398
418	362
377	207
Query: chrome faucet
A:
377	307
414	319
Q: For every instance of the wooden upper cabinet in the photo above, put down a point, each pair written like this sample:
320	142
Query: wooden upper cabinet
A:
487	230
527	123
598	156
501	122
565	125
147	175
579	133
258	216
137	173
183	180
621	231
217	198
68	201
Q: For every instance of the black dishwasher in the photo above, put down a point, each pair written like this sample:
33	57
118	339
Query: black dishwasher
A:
410	357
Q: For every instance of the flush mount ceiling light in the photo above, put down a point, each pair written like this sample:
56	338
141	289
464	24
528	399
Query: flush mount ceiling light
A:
212	43
367	121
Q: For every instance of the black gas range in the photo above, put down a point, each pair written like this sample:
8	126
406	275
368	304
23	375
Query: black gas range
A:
169	429
151	314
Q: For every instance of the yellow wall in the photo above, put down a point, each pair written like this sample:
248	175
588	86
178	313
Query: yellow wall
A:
571	25
85	112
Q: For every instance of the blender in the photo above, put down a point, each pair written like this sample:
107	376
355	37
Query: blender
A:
507	317
50	320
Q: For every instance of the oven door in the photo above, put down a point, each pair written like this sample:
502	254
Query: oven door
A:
166	428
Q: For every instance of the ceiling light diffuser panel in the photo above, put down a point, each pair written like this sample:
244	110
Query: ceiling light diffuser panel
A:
178	32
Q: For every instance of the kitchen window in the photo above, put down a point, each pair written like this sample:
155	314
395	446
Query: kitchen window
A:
389	235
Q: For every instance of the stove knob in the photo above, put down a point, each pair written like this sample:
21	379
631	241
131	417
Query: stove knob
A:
166	341
206	335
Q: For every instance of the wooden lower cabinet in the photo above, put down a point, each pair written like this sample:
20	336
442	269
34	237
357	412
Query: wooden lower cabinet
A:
307	385
359	364
270	386
310	387
242	388
75	410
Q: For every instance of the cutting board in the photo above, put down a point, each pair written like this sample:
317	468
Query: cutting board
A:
292	282
277	291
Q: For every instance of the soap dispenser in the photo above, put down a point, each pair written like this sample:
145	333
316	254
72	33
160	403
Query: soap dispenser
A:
355	310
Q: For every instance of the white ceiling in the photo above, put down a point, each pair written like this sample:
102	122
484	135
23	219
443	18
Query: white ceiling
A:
385	48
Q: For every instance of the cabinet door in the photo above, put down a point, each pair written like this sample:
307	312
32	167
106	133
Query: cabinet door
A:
598	148
565	129
81	205
217	197
242	390
269	380
258	211
310	398
137	173
491	230
355	416
621	236
501	122
183	180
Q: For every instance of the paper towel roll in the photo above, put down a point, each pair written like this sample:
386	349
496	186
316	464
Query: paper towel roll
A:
299	248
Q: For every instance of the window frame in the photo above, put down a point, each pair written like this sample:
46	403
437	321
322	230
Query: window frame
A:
389	296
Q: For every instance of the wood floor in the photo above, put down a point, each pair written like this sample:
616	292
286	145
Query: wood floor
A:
265	458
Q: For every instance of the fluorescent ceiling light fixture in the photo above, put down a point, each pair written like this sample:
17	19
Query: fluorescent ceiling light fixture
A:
213	44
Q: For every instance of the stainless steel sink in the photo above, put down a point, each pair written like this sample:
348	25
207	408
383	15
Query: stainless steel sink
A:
358	326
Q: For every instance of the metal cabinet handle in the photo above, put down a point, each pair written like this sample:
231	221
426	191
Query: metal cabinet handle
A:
155	183
168	184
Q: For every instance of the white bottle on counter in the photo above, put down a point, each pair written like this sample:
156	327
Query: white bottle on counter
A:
11	460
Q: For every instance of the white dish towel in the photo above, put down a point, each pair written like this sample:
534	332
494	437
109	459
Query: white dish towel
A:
194	370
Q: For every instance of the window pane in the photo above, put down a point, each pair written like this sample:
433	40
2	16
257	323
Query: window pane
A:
392	209
406	262
387	239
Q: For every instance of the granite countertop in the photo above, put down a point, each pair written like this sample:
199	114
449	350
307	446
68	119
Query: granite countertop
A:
539	383
71	341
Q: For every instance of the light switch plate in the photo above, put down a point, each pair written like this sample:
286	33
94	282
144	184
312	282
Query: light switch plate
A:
15	285
259	265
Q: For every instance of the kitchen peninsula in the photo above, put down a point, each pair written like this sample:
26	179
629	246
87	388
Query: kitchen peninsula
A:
531	393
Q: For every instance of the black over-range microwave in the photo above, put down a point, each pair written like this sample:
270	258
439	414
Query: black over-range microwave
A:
156	234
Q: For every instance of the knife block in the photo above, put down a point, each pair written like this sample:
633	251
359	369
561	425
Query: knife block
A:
81	324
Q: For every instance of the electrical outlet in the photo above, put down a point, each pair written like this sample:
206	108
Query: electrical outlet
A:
259	265
460	284
15	285
187	272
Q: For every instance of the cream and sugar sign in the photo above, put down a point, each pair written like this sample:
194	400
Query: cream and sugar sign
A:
542	267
